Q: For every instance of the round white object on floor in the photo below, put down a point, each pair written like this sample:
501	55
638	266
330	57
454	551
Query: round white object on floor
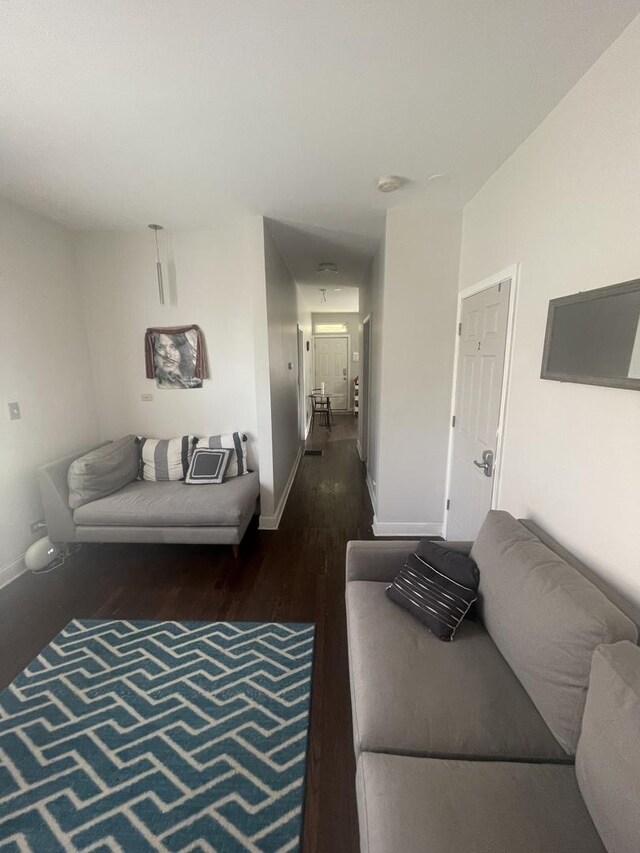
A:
41	553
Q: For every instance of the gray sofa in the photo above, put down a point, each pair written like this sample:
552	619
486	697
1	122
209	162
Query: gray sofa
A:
479	744
143	511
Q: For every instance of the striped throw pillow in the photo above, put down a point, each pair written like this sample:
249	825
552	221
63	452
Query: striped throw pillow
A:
166	458
236	442
438	586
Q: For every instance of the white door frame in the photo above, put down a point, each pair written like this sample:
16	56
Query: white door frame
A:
302	391
366	385
511	272
348	338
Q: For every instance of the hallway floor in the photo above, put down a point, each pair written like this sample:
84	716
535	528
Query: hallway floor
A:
293	574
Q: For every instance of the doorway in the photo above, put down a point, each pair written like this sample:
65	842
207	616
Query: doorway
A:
332	368
485	317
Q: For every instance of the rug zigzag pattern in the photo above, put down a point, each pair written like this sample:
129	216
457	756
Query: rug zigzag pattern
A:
147	736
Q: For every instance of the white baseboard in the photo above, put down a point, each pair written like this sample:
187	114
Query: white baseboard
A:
372	492
406	528
271	522
12	571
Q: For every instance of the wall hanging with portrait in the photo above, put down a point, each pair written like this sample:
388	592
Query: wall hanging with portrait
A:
175	356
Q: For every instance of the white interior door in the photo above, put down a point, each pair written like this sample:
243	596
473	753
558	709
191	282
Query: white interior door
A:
481	355
332	368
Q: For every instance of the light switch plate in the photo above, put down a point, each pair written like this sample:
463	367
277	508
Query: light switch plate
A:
146	398
14	411
355	356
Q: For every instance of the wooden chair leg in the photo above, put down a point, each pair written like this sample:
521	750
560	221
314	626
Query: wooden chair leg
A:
236	551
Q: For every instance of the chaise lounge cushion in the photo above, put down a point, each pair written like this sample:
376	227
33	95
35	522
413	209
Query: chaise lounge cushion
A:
545	618
413	694
174	504
103	471
426	805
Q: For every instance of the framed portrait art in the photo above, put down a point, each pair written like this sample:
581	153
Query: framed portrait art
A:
175	356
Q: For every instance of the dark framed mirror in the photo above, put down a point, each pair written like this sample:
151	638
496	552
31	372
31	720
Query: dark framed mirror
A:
594	337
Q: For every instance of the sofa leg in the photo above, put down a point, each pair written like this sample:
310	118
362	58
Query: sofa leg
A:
236	551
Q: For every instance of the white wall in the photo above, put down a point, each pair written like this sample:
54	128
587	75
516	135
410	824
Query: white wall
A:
351	321
211	279
282	321
45	367
420	296
566	206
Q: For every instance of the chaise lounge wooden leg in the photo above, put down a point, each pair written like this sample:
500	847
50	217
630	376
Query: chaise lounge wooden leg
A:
236	551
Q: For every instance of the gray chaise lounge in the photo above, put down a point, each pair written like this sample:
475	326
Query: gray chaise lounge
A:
470	745
145	511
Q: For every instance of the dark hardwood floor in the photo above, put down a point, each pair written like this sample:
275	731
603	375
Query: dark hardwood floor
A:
293	574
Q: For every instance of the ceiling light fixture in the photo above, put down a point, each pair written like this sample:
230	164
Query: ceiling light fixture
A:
389	183
337	290
155	229
327	267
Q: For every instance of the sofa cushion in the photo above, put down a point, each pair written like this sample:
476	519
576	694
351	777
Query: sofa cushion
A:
545	618
608	757
103	471
413	694
147	504
427	805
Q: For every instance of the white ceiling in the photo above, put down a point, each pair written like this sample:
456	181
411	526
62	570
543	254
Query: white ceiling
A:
345	300
305	247
182	112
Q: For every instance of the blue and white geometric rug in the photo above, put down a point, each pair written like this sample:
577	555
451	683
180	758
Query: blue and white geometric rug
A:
147	736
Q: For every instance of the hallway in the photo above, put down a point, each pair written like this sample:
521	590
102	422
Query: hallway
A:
293	574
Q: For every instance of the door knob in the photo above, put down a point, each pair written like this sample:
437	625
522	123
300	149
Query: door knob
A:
486	464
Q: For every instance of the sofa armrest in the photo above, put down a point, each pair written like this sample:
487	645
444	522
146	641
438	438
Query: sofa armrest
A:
54	491
382	560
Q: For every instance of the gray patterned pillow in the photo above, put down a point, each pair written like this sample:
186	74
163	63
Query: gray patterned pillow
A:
207	466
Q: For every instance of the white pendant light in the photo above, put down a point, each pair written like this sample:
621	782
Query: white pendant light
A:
155	229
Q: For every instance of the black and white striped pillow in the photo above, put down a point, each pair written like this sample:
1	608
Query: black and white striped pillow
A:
236	442
438	586
166	458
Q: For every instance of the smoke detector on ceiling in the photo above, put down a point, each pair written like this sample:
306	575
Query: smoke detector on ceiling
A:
327	267
389	183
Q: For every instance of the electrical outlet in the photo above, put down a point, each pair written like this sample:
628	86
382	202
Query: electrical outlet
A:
14	411
146	398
